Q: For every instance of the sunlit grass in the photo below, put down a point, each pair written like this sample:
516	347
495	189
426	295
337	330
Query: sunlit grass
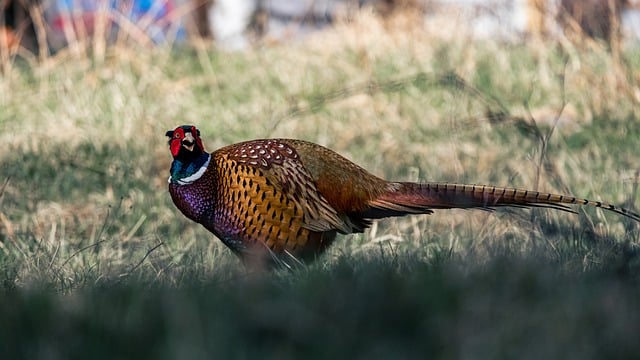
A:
87	163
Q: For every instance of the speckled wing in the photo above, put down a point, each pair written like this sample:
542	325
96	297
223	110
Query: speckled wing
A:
281	165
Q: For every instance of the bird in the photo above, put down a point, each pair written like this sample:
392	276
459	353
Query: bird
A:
283	201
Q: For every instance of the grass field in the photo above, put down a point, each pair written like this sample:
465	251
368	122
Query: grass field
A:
95	262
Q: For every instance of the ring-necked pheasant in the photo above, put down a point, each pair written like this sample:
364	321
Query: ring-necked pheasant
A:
280	199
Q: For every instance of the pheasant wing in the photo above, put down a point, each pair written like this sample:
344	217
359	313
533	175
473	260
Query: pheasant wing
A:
281	165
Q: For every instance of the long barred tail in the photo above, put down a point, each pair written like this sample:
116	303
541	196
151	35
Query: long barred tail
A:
416	198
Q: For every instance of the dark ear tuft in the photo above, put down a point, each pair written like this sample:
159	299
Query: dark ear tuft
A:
169	133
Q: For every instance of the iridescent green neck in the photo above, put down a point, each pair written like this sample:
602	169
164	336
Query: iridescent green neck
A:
187	172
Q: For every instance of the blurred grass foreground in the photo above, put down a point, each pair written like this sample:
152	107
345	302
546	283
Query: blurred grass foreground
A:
95	262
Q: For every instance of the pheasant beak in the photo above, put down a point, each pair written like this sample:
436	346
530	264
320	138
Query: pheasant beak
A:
189	142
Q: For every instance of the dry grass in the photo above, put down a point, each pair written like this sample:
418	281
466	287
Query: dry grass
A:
87	161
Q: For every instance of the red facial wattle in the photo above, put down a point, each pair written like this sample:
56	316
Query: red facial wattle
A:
176	141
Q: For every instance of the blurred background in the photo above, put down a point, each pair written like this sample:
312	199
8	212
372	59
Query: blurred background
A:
49	25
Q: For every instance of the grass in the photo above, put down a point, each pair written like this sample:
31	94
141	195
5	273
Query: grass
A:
94	259
415	308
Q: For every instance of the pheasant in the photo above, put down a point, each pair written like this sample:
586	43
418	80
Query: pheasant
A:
274	200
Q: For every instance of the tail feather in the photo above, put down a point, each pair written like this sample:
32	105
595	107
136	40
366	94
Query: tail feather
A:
423	198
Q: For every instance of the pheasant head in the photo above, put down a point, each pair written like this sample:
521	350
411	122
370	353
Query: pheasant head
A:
189	157
185	142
